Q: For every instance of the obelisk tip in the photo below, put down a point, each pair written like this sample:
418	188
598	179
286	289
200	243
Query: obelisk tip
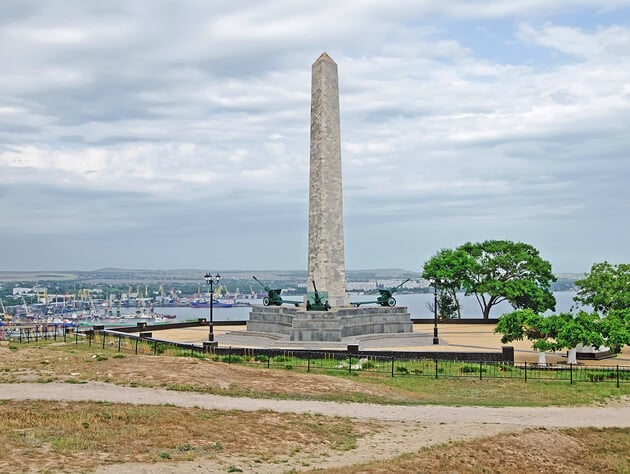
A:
324	57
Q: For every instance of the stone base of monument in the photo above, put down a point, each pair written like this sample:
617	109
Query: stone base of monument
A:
591	353
330	326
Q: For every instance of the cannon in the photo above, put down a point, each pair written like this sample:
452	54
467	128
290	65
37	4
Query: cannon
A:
385	298
317	304
273	297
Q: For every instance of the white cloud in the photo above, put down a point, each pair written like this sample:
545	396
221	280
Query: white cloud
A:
605	44
146	112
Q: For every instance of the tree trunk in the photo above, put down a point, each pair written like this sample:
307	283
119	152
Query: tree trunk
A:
572	356
486	311
459	308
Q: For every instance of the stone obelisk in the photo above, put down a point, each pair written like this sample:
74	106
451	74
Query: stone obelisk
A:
326	261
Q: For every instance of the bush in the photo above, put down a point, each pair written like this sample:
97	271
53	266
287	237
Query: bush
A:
472	368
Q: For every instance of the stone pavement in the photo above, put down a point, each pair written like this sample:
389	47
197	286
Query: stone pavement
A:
453	338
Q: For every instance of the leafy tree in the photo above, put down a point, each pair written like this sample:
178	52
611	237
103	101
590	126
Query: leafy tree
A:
615	329
496	271
605	288
525	323
580	329
447	307
450	265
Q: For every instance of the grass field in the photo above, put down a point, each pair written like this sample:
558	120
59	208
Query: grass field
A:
81	436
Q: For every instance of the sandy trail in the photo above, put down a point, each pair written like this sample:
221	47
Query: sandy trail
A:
605	416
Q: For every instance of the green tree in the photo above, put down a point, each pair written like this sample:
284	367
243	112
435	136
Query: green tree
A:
615	329
496	271
447	307
525	323
450	265
580	329
605	288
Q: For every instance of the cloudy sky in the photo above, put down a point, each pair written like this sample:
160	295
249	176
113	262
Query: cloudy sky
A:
164	134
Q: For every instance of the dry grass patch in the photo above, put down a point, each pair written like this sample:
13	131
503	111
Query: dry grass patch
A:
59	436
580	451
48	362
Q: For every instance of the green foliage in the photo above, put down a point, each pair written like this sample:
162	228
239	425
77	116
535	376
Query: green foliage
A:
449	265
447	307
615	329
525	323
582	328
605	288
565	330
472	369
496	271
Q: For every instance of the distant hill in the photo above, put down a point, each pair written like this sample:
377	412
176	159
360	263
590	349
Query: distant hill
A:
566	281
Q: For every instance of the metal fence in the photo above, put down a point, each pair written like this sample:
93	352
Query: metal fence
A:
330	362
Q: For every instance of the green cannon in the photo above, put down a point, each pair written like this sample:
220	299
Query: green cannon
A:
273	297
386	297
317	304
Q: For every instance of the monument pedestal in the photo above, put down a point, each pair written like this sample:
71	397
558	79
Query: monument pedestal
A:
330	326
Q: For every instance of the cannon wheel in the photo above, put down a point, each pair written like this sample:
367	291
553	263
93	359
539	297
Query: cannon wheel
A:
266	301
391	301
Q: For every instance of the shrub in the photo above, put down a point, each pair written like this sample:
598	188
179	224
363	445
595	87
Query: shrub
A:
471	369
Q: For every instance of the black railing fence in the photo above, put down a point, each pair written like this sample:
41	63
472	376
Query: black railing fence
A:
396	364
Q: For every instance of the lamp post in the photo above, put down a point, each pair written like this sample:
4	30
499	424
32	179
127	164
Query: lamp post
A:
433	281
211	281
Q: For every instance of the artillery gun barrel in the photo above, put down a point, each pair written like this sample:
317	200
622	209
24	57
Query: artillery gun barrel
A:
261	284
401	285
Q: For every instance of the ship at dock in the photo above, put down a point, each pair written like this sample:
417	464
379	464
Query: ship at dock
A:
215	303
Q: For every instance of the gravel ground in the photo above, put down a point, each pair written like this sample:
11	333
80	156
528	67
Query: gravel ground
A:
409	428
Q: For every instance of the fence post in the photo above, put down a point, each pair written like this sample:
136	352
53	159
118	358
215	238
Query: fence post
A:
155	348
76	334
269	361
308	362
65	331
136	346
481	370
570	374
436	369
392	366
104	339
525	371
617	375
55	335
349	364
119	339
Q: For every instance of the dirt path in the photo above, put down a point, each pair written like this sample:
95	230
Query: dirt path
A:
408	428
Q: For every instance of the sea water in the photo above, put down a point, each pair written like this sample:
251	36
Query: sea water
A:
418	305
